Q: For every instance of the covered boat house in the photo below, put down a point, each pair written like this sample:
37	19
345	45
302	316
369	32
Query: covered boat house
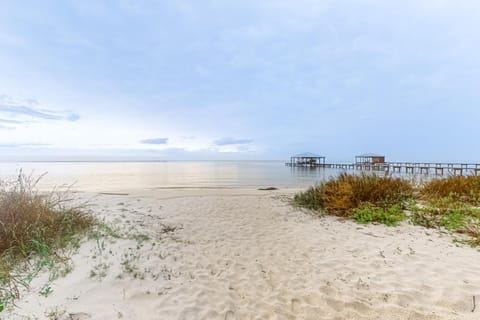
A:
369	158
306	159
370	161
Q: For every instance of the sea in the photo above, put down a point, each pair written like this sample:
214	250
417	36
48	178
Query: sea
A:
105	176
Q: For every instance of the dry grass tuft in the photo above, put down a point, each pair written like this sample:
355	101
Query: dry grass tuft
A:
313	198
450	203
34	224
459	188
29	219
341	195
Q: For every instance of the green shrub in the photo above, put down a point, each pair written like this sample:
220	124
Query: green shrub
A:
313	198
447	213
364	216
391	216
452	220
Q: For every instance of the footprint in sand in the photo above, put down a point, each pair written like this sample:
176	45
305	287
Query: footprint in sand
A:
230	315
295	305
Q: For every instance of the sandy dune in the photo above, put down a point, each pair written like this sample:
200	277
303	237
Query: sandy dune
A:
247	254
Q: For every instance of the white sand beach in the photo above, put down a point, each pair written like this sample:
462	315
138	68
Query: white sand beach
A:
248	254
187	129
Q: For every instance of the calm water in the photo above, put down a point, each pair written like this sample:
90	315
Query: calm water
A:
105	176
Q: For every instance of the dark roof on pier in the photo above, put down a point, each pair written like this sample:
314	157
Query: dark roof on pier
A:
307	155
370	155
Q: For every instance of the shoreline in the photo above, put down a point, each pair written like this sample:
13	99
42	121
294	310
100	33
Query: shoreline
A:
245	253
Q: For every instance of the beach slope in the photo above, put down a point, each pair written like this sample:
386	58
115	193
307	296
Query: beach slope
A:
248	254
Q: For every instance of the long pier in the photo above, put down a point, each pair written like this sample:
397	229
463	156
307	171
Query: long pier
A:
436	168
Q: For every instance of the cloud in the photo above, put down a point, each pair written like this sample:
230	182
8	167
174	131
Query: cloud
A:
6	124
10	121
20	111
273	71
155	141
19	145
231	141
37	113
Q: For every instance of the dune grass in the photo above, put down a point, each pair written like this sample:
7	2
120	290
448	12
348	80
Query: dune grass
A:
34	227
456	188
347	192
450	203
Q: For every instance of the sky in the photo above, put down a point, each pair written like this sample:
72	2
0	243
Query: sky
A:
247	80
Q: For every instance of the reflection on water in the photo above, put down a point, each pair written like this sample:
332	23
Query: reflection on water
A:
146	175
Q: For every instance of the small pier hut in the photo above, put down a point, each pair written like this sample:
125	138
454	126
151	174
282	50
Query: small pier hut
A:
369	158
370	161
307	159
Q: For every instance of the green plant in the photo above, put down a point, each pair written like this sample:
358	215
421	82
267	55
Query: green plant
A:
390	216
46	291
313	198
452	220
56	314
139	237
99	271
425	218
363	216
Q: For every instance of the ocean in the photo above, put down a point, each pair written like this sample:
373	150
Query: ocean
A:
107	176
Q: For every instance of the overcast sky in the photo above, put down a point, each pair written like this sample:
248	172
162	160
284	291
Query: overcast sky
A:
242	79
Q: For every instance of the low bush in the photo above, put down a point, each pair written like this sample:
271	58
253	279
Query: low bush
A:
457	188
391	216
341	195
447	213
451	203
313	198
33	224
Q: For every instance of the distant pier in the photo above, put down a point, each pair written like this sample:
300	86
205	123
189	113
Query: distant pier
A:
370	162
407	167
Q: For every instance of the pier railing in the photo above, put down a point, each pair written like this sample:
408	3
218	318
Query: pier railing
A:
437	168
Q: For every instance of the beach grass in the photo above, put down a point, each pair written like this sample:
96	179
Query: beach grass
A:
34	228
342	195
450	203
454	188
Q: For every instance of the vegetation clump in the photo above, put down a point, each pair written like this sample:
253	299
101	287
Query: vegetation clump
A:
390	216
455	188
313	198
450	214
451	203
34	225
340	196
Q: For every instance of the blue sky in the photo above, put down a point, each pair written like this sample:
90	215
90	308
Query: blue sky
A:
243	79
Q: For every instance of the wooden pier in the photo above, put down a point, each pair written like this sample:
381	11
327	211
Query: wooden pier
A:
426	168
376	162
433	168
